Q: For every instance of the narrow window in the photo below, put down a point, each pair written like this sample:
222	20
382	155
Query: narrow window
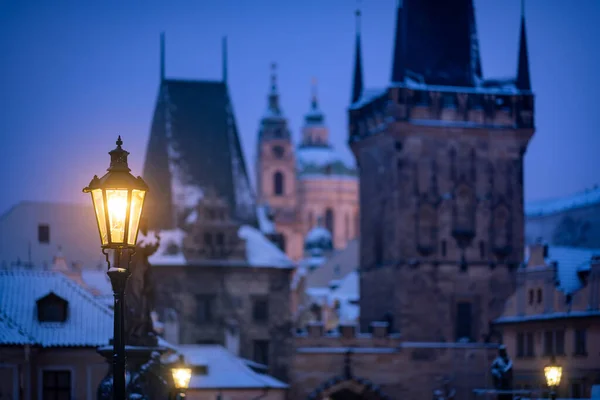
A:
539	296
548	343
205	308
44	234
560	342
207	239
347	226
329	221
580	342
443	248
482	249
530	296
520	344
261	352
278	184
260	309
529	344
463	321
56	385
220	239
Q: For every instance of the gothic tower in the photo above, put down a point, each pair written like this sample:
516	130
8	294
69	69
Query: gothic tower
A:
276	164
440	155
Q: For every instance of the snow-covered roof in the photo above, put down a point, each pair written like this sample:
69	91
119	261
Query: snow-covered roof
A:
170	249
544	207
367	96
319	156
11	334
89	323
266	225
225	370
501	86
548	316
98	283
570	261
260	251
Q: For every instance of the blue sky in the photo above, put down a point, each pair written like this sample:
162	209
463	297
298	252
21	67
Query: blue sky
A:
74	74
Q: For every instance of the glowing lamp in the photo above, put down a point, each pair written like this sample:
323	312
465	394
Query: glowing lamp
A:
118	199
182	374
553	373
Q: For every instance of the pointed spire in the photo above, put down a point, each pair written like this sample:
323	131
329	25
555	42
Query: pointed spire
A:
274	95
398	66
224	59
314	102
162	56
357	83
523	78
476	70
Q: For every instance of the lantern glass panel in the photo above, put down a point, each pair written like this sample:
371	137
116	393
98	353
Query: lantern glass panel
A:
100	214
181	377
553	374
116	200
137	202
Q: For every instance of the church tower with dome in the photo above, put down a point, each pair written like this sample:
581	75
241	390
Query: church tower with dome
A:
305	183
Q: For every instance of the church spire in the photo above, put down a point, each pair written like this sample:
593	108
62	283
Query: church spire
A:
162	56
523	78
357	83
224	55
398	67
314	102
273	94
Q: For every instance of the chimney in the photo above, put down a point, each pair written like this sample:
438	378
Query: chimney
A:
538	253
59	263
348	330
379	329
315	329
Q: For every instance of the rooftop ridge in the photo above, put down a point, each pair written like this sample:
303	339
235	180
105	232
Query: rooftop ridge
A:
580	199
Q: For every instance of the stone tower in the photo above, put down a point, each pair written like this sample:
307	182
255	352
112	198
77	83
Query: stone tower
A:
276	163
440	155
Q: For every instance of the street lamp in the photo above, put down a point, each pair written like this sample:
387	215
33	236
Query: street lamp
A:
118	199
553	373
182	374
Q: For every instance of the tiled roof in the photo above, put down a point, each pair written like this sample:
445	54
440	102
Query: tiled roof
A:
89	323
10	334
225	370
582	199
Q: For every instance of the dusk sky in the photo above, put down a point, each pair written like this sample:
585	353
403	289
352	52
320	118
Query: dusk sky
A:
75	74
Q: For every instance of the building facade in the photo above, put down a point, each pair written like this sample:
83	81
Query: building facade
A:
303	183
555	312
440	159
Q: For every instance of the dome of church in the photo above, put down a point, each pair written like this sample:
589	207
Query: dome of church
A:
318	240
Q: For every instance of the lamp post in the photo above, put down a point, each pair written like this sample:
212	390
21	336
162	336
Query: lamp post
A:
118	199
182	374
553	373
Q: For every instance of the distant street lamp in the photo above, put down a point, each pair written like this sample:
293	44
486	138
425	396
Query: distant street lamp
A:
182	374
118	199
553	373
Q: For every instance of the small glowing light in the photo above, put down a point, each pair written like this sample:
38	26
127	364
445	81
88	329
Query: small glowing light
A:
181	377
553	374
117	212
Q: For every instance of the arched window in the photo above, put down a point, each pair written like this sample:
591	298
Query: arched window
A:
311	219
329	222
465	209
426	228
278	184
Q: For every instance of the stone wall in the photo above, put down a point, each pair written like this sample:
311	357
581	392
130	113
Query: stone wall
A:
385	365
233	291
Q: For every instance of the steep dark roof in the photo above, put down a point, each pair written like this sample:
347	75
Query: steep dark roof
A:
357	81
194	131
436	40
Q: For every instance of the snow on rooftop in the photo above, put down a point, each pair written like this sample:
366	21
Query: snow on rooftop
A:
170	249
260	251
316	156
97	281
501	86
367	96
89	323
225	370
266	225
332	177
318	236
545	207
10	334
183	194
569	261
548	316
